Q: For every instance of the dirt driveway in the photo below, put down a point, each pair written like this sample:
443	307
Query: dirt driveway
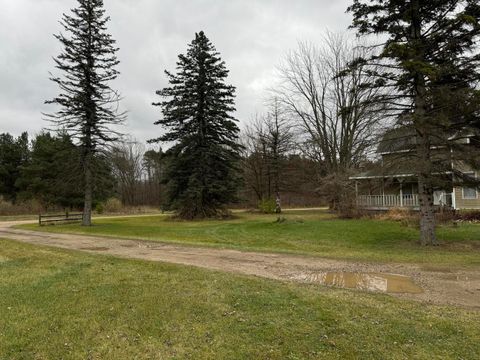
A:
455	287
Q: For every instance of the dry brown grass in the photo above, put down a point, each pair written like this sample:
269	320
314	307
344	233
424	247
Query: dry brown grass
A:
7	208
397	214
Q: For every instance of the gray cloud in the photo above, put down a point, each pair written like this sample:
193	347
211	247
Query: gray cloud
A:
251	35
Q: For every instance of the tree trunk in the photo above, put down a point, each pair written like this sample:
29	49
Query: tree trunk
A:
276	163
427	213
425	174
87	208
425	189
423	146
278	205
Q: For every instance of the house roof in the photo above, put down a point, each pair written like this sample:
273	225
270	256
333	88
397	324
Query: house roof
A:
375	174
382	173
397	140
403	139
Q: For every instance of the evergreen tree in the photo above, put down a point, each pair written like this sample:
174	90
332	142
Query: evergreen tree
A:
46	176
51	174
13	154
87	104
429	71
202	172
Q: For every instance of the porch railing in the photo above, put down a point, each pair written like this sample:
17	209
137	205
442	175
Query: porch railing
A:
383	201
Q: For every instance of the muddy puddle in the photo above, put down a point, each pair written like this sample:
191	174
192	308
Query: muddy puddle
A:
386	283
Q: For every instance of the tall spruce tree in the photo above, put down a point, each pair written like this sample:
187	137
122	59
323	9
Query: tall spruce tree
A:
197	114
14	153
88	106
429	68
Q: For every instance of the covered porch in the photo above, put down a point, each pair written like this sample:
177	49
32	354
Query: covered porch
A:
383	193
409	201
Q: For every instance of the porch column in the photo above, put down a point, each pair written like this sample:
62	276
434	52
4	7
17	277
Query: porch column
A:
383	192
356	192
401	193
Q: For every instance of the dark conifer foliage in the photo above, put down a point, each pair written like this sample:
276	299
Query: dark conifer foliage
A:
47	176
429	69
197	111
14	153
88	106
51	174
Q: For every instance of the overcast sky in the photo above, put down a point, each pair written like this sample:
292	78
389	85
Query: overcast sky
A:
251	35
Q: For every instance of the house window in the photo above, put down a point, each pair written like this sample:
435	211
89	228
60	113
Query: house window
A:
469	192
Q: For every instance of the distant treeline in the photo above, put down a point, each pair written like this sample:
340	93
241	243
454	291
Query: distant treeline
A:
46	169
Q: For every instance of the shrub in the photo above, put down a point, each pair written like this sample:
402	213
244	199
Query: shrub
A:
468	215
405	216
445	215
267	206
99	208
113	205
344	211
6	208
398	214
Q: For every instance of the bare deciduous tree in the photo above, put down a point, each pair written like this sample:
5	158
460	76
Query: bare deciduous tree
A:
339	124
268	142
154	167
127	161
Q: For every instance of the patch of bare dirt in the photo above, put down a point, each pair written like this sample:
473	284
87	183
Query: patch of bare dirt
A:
95	248
460	246
438	285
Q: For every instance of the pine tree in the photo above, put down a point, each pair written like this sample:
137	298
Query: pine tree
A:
50	175
14	153
429	71
202	172
88	107
46	177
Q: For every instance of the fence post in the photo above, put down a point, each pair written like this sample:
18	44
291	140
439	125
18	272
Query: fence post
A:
39	219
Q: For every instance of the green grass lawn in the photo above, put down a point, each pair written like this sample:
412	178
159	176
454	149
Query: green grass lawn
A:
304	232
57	304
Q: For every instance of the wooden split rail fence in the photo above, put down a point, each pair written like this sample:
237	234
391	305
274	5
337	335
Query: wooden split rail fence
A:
55	219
